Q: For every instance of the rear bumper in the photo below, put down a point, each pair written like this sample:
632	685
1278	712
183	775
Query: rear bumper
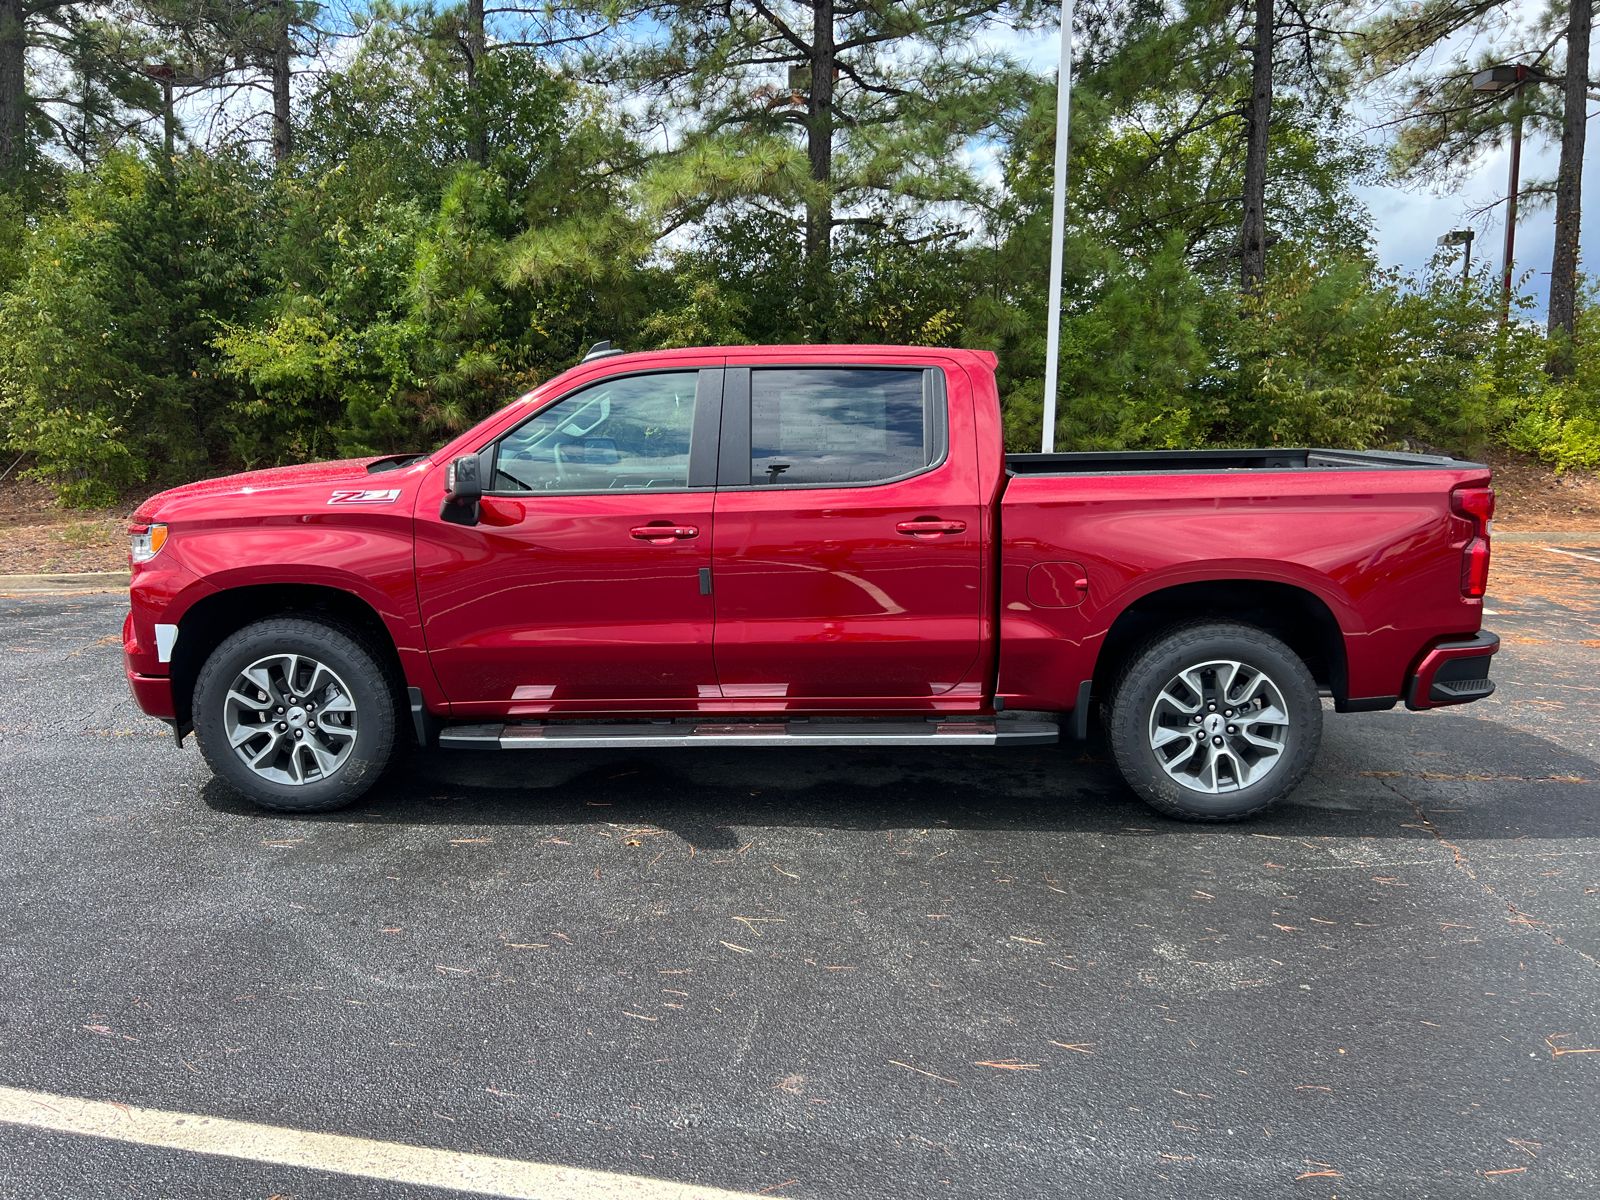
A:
1453	672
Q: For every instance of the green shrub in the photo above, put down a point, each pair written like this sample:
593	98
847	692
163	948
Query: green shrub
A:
106	379
1559	420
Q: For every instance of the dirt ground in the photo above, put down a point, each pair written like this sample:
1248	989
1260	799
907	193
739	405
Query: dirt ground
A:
1529	496
43	538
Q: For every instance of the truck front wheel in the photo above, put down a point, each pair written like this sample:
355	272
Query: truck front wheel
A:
1214	721
295	714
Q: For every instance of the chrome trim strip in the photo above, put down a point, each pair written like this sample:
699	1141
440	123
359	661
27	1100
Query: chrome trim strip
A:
722	734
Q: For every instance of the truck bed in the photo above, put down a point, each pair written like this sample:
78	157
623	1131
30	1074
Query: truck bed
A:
1122	462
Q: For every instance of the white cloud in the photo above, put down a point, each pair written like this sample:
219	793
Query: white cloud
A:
1407	223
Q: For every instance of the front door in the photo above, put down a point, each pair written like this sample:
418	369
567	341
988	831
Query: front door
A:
848	560
585	584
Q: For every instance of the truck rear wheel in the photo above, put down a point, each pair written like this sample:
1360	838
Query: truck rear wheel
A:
1214	721
295	714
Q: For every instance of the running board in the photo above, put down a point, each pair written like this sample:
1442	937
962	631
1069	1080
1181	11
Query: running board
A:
658	735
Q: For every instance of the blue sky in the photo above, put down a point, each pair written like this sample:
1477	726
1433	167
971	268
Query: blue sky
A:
1406	223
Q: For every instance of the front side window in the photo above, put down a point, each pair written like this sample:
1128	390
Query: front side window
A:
837	425
626	434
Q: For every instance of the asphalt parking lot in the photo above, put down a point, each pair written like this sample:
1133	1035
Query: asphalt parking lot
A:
849	974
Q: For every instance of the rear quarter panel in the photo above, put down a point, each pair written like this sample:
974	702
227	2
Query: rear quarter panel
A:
1380	548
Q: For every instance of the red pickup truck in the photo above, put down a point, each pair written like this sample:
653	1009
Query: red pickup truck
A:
803	546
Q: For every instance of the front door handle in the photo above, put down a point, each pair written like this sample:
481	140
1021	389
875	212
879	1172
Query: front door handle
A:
930	527
664	533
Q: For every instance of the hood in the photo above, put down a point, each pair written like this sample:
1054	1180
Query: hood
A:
273	480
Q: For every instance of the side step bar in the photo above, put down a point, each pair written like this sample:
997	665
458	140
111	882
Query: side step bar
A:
573	735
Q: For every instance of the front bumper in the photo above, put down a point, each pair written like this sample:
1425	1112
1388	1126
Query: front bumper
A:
1453	672
152	693
160	591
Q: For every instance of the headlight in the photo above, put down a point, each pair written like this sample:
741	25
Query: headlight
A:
145	542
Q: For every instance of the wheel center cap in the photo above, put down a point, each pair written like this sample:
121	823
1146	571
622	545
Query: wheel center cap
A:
297	717
1214	724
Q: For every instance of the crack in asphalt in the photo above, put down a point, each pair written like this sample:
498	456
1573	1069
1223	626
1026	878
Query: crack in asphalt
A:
1461	863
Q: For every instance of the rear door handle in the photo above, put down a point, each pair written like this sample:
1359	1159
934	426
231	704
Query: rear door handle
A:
664	533
930	527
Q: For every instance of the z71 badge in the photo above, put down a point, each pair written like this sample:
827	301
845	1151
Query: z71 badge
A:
365	496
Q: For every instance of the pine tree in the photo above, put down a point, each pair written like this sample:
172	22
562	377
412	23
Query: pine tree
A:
1575	93
1445	125
13	90
854	112
225	47
1258	118
85	62
1290	44
1225	92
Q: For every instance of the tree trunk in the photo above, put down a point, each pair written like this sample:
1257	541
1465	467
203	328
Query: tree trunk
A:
13	94
819	150
1569	181
477	45
1253	234
169	125
282	131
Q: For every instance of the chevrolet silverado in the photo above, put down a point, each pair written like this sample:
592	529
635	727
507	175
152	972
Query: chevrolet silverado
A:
818	546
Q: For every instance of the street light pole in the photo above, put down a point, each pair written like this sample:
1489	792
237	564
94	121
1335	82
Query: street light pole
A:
1058	217
1509	78
1511	195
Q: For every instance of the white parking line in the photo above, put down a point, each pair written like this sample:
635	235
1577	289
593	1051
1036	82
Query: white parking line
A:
393	1162
1570	553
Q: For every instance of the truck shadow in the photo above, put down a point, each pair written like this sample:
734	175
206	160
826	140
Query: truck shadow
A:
1377	776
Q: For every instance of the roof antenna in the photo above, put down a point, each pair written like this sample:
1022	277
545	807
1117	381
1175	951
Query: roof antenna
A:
601	350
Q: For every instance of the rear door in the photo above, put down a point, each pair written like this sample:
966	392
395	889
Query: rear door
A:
848	552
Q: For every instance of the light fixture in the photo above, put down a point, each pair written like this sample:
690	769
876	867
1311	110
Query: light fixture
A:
1498	79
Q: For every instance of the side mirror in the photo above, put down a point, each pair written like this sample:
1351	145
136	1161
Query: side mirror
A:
463	488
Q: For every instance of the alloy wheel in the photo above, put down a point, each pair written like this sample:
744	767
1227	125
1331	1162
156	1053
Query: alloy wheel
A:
1219	726
290	719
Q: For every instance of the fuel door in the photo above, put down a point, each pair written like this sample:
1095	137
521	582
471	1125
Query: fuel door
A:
1057	584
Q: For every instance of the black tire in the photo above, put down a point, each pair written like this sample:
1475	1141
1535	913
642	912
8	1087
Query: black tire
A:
1134	698
370	689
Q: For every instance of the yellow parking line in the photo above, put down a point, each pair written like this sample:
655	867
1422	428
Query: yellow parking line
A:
393	1162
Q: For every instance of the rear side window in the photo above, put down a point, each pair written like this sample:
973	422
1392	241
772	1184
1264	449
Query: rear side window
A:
831	425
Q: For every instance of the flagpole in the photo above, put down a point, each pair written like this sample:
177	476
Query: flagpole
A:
1058	215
